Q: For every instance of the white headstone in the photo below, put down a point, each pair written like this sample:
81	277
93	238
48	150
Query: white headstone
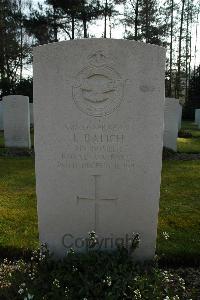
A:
1	115
31	114
171	122
98	111
16	120
197	117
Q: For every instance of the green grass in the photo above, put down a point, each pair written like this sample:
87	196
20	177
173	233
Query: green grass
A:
191	127
188	145
191	145
18	221
179	209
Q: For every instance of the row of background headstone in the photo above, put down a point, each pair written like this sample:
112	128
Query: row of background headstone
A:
15	121
172	121
30	110
1	115
197	117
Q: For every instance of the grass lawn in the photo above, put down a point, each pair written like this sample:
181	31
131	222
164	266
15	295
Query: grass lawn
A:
179	209
18	221
191	145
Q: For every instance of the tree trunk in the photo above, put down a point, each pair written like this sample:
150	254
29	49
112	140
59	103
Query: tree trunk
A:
136	19
178	81
187	52
55	27
21	40
171	47
147	22
105	19
195	49
2	49
190	58
85	27
73	24
110	26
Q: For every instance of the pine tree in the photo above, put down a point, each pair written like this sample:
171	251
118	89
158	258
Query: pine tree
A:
13	51
142	17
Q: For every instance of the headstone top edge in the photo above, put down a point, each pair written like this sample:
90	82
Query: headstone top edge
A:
13	95
102	40
11	98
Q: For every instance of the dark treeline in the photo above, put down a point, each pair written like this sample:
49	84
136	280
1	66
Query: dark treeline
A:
23	24
193	100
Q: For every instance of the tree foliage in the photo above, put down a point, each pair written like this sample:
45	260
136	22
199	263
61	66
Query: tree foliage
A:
193	100
168	23
11	49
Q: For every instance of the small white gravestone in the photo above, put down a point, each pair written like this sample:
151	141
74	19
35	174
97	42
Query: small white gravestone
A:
180	116
171	120
31	114
16	120
98	111
1	115
197	117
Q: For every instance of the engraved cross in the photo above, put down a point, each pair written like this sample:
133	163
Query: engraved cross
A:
96	200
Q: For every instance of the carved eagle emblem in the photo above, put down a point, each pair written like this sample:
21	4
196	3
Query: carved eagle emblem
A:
97	91
98	88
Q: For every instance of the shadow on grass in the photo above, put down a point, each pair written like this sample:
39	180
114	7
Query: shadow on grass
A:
16	152
180	260
14	253
164	261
